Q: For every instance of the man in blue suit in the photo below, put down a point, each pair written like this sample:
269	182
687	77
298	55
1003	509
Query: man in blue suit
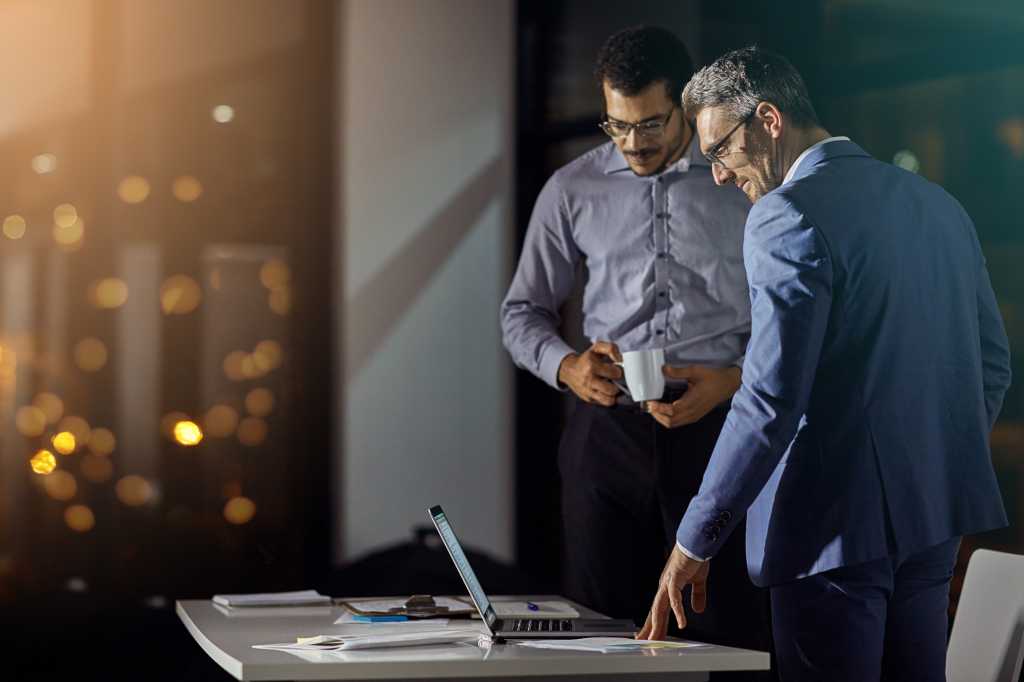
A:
857	444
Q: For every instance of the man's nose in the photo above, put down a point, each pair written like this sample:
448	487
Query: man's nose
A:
721	174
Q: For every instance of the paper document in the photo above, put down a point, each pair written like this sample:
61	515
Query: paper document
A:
349	618
385	605
605	645
300	598
544	609
374	641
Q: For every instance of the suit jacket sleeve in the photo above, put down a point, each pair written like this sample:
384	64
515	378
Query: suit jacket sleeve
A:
995	347
790	274
543	280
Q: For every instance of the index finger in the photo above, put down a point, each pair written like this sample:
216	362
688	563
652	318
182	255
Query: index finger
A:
608	349
659	615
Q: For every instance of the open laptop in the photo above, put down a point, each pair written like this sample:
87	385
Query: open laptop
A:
521	628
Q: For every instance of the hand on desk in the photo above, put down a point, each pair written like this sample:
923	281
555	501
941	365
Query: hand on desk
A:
679	571
588	374
708	387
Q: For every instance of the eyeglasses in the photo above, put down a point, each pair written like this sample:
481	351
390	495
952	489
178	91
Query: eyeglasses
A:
619	129
714	155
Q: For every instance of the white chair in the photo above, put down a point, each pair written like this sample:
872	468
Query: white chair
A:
987	641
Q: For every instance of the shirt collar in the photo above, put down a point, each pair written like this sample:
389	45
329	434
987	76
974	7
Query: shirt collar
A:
792	169
691	157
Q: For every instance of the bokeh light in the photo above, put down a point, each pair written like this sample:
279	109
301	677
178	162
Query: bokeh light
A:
907	160
65	215
222	113
259	402
97	469
232	489
1011	132
133	189
60	485
180	295
43	462
14	227
239	510
90	354
134	491
188	433
79	518
280	301
275	274
186	188
252	431
30	421
71	235
78	427
44	163
64	442
220	421
51	405
109	292
268	354
233	362
102	442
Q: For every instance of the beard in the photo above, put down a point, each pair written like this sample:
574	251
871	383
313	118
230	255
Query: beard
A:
765	158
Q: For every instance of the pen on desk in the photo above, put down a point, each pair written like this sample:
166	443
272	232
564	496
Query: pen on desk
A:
533	607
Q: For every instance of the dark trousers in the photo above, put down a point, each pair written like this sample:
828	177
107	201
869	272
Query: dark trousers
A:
881	620
626	482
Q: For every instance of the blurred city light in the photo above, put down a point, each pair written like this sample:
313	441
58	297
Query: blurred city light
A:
90	354
222	113
79	518
134	491
44	163
102	442
186	189
43	462
30	421
188	433
239	510
64	442
109	293
78	427
180	295
133	189
14	227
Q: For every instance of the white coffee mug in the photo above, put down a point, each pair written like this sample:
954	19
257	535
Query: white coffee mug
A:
642	369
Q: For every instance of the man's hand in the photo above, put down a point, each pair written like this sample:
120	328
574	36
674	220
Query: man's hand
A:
708	388
587	375
679	571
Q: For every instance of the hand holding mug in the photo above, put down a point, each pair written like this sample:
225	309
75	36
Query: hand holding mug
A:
707	388
590	374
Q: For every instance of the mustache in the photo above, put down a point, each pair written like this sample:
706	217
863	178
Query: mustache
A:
641	152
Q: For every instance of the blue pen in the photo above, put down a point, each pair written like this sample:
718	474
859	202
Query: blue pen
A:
533	607
379	619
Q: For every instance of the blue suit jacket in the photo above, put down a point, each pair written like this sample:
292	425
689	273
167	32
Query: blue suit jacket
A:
876	367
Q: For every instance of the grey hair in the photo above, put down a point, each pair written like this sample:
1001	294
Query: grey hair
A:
742	79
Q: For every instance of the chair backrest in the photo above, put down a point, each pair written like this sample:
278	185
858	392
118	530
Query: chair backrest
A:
987	641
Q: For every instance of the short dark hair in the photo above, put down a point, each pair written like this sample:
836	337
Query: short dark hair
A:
741	79
633	58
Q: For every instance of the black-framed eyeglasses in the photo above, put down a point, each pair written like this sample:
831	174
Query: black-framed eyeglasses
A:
714	154
619	129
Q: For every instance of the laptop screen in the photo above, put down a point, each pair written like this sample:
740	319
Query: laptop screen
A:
444	529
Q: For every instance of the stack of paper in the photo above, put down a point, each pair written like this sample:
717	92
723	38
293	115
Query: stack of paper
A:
376	641
300	598
605	645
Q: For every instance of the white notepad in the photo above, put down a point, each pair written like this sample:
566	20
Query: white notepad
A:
300	598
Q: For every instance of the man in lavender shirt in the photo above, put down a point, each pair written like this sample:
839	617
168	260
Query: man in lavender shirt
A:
661	245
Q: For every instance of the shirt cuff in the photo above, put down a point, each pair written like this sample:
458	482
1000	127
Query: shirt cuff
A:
551	360
689	553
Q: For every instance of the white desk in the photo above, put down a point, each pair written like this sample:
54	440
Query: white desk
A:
228	640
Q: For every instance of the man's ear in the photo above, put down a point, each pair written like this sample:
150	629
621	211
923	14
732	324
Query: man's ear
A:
769	118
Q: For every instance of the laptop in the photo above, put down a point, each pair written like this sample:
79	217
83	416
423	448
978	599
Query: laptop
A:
521	628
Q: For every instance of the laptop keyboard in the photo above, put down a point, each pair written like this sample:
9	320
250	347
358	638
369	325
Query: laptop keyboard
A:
538	625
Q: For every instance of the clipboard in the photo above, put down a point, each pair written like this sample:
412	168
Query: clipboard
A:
416	606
